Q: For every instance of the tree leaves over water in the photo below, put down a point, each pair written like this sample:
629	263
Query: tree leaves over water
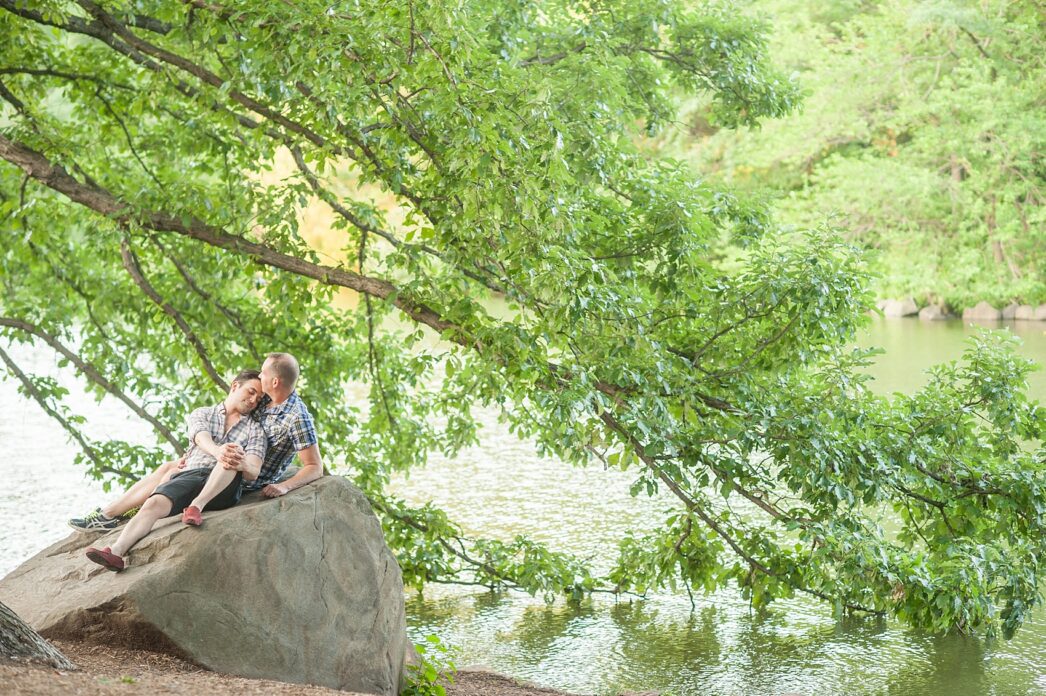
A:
507	245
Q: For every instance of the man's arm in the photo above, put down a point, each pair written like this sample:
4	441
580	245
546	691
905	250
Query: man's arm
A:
229	453
311	469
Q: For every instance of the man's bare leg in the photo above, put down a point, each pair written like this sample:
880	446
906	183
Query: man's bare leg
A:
155	508
219	478
136	495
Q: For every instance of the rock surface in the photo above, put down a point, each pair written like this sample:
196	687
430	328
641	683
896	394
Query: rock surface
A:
982	311
1010	311
1024	313
900	308
1040	313
932	313
299	589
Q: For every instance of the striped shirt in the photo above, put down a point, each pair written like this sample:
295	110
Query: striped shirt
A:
289	428
247	432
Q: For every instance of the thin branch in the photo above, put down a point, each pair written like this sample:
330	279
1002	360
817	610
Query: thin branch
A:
91	372
331	200
31	389
130	262
127	137
233	318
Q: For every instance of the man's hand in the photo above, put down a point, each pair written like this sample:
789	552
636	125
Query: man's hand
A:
275	490
230	455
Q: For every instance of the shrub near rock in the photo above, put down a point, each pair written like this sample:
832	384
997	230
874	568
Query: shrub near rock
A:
300	589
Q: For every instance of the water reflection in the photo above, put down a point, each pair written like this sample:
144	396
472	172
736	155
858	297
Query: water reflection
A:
601	646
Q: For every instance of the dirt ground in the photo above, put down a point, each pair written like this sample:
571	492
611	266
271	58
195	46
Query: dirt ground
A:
106	671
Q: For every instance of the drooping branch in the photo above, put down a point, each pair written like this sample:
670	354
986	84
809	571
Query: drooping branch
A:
130	262
67	426
694	507
233	318
92	373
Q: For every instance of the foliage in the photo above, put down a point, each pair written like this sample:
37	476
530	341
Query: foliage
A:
527	255
435	671
923	128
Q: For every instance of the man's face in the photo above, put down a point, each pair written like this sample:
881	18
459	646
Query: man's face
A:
268	377
247	395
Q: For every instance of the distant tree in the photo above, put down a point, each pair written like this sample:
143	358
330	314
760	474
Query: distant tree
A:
924	129
543	265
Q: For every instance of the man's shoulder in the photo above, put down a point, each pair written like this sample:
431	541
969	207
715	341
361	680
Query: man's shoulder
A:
205	412
300	407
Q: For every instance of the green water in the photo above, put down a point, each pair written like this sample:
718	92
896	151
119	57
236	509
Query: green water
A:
502	488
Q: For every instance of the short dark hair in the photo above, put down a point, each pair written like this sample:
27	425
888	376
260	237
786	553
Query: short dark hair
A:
286	367
246	376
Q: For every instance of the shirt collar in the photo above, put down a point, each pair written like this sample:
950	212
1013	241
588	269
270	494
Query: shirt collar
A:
263	405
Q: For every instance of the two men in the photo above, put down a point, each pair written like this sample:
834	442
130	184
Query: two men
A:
222	447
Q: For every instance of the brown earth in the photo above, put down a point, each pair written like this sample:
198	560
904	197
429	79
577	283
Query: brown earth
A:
110	671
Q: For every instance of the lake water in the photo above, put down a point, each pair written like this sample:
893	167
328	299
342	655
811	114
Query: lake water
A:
601	646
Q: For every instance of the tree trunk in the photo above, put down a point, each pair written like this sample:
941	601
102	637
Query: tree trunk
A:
20	642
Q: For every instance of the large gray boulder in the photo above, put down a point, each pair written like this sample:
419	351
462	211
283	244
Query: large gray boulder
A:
982	311
1010	311
1040	313
900	308
300	589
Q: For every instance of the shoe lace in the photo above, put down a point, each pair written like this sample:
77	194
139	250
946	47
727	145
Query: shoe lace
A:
95	514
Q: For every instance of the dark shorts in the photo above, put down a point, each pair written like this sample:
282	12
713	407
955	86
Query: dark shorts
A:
184	486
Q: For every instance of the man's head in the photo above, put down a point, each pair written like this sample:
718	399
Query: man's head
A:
245	391
279	374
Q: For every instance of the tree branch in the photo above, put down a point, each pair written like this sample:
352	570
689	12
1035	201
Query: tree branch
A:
91	372
130	262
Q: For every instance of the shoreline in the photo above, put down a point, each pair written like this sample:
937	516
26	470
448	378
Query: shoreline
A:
115	671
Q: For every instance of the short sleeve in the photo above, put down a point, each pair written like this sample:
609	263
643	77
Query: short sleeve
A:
256	443
199	421
303	432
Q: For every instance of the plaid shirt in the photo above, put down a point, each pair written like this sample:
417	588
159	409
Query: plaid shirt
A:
211	419
289	428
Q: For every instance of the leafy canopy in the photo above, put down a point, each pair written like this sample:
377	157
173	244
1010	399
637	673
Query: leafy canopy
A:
507	244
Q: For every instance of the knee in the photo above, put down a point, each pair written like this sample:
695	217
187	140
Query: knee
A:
156	504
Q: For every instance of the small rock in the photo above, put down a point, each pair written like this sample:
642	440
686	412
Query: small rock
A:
932	313
900	308
1024	313
982	311
1010	311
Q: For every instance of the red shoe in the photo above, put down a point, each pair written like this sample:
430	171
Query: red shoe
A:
105	558
192	516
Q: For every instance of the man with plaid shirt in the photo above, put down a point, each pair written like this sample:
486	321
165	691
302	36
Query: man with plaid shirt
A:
217	434
289	429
